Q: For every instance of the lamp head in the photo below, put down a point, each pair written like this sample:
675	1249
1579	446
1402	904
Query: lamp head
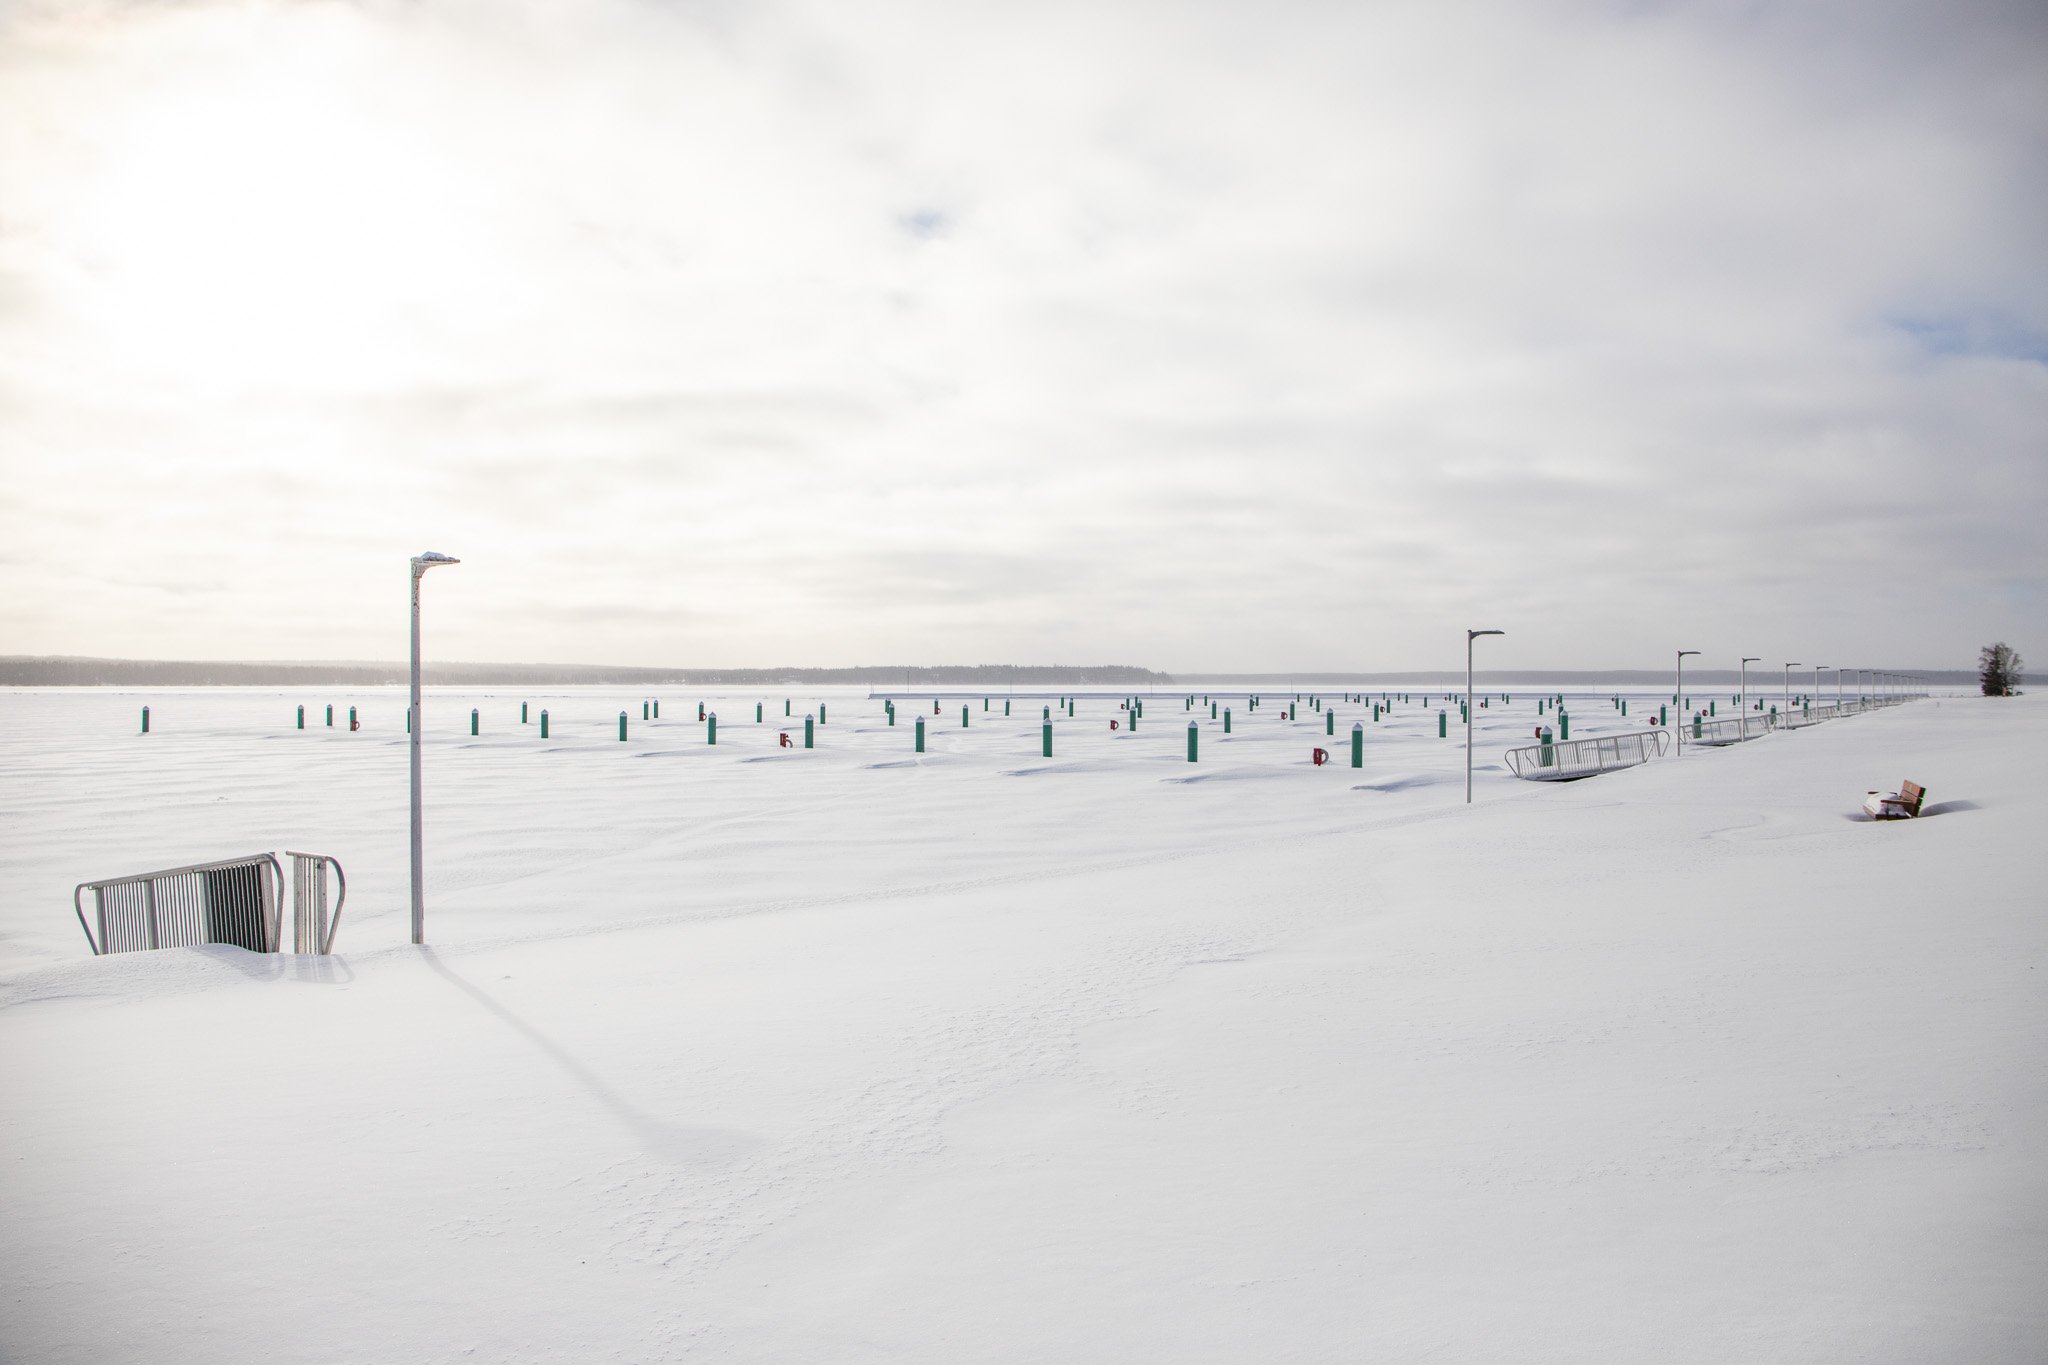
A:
1475	634
431	559
1753	659
1685	652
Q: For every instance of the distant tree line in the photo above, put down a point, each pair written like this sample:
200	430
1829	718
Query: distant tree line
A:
32	671
2000	670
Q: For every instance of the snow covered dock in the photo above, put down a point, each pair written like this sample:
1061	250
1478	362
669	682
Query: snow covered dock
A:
737	1053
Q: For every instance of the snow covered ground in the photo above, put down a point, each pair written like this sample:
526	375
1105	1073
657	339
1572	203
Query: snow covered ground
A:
743	1053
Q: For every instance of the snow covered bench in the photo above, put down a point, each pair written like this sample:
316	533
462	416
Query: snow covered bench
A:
1902	804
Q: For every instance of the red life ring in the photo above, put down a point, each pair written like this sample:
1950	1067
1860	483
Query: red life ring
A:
785	740
1322	756
1112	725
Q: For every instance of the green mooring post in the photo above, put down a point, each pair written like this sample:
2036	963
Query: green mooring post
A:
622	727
302	717
920	734
330	715
809	738
1226	720
984	703
1006	706
1044	737
1070	708
351	717
522	713
643	710
472	721
1544	755
1134	722
1212	710
145	720
1624	706
408	720
1194	734
1357	744
963	715
657	708
1710	708
1330	722
821	713
757	714
711	728
1564	725
1443	724
1663	717
785	706
1046	713
1696	724
543	722
1375	713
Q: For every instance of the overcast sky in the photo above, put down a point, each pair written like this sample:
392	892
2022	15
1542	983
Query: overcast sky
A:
1190	335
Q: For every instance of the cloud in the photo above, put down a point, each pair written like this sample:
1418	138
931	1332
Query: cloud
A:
1174	334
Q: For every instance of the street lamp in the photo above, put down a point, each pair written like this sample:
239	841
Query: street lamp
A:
420	564
1816	683
1470	636
1788	686
1743	731
1679	699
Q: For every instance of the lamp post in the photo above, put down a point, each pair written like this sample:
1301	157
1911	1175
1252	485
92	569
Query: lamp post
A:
1788	685
1816	683
1470	636
420	564
1743	733
1678	700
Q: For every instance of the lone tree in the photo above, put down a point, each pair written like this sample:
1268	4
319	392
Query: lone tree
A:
1999	669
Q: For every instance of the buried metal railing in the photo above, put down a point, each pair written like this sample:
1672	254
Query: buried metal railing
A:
1732	730
1576	758
312	927
236	901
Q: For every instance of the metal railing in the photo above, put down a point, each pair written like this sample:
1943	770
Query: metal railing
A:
1729	730
1576	758
312	928
234	901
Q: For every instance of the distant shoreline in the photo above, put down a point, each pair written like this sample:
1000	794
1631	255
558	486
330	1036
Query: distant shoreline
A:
76	671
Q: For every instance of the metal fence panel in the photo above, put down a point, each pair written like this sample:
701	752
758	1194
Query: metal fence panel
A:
232	901
312	929
1576	758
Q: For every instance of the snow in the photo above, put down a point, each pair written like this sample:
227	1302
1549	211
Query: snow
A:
850	1054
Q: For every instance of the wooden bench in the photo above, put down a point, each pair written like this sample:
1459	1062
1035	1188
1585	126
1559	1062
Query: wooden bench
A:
1902	804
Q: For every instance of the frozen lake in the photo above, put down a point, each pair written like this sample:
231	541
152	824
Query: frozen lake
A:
742	1052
